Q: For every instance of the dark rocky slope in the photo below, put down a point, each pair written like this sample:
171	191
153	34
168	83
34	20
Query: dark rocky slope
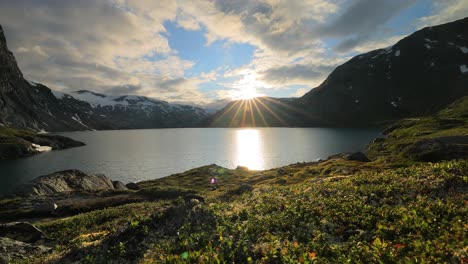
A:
418	75
25	104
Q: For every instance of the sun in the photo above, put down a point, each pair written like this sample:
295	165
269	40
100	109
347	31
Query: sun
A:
247	93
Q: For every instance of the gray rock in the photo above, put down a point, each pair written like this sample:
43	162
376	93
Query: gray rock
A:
118	185
21	231
65	181
132	186
357	156
45	207
13	250
190	196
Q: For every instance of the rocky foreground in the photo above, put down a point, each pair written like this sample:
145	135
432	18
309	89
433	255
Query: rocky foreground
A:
389	205
15	143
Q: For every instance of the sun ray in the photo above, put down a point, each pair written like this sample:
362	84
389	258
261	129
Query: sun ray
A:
276	116
254	101
233	105
237	113
252	116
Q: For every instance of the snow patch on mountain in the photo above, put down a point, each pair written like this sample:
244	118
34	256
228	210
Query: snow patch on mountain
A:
32	83
463	68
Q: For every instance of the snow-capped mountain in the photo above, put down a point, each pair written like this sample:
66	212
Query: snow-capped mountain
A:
26	104
131	111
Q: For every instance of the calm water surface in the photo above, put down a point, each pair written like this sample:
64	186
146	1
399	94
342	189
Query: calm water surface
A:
136	155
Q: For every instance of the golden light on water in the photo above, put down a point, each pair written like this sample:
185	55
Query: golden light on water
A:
249	149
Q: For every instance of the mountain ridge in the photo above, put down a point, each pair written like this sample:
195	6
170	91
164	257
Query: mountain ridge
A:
30	105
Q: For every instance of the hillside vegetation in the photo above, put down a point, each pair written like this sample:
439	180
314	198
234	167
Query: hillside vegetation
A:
396	208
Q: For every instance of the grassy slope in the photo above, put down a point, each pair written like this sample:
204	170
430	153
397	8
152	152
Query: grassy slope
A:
393	209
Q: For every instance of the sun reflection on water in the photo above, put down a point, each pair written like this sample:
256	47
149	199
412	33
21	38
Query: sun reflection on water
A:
249	151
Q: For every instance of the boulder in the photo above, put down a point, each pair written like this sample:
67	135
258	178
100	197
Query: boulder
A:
12	251
132	186
65	181
357	156
118	185
21	231
188	198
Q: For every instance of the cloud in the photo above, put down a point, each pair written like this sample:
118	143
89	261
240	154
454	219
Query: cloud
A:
363	17
124	90
444	11
365	45
285	74
300	92
122	46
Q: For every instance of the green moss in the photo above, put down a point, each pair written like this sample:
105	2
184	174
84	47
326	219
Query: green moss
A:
452	121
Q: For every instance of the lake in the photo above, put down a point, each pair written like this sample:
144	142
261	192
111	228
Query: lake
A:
137	155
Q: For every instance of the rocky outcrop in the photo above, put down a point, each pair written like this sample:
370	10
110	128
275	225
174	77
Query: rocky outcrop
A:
118	185
21	240
65	181
21	231
18	143
12	251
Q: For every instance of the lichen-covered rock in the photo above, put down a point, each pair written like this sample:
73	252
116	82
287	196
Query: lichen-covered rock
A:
21	231
65	181
191	196
13	250
118	185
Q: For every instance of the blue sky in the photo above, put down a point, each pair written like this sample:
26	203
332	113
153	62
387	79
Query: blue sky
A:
205	52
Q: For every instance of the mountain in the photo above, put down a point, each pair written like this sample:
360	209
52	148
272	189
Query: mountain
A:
25	104
418	75
262	112
130	111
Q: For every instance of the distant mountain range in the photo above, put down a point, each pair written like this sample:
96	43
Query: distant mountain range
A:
25	104
418	75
